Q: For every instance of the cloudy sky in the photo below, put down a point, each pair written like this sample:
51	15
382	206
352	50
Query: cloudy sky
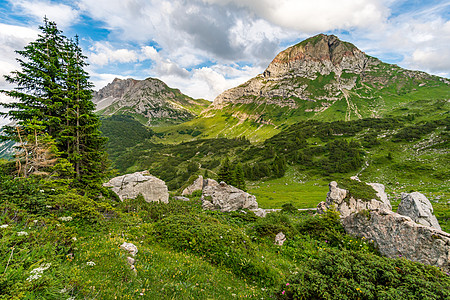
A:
204	47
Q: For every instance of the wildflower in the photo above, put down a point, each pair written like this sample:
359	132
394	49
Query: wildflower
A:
20	233
90	263
4	226
41	191
71	298
282	293
74	238
287	284
48	206
35	221
37	272
65	219
64	290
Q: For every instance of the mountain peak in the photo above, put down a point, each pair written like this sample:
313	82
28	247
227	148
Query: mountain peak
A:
321	47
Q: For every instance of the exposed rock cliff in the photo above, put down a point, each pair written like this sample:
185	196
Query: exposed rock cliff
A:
150	98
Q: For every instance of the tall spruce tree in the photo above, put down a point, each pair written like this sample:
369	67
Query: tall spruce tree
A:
52	87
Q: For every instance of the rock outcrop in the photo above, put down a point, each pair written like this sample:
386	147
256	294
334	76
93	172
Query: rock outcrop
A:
418	208
399	236
226	198
129	186
197	185
346	205
395	235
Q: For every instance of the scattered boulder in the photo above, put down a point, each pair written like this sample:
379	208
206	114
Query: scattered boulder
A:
197	185
418	208
130	248
280	238
399	236
346	205
226	198
259	212
129	186
180	198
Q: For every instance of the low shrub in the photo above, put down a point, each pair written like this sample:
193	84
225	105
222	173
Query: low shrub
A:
341	274
214	241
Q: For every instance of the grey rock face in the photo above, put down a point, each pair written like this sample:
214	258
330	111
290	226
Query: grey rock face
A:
225	197
337	198
418	208
398	236
129	186
197	185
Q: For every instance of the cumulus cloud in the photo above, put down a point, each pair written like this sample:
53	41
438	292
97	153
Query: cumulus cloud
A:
62	14
12	38
315	16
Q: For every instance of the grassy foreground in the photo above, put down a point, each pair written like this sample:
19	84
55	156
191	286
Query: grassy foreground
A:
56	244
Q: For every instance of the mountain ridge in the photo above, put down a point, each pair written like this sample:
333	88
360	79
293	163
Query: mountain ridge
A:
150	101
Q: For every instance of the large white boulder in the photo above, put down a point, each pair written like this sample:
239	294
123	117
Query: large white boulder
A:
129	186
224	197
418	208
346	205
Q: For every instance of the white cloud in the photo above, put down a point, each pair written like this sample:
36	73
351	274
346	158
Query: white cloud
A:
316	16
12	38
62	14
103	53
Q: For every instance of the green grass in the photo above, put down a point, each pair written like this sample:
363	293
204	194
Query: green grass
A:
302	190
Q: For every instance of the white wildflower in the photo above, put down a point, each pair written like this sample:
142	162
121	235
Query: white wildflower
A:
35	221
20	233
90	263
65	219
4	226
48	206
74	238
57	225
37	272
64	290
41	191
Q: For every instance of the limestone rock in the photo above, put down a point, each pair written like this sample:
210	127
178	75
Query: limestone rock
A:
259	212
130	260
129	186
180	198
225	197
130	248
399	236
280	238
337	198
418	208
197	185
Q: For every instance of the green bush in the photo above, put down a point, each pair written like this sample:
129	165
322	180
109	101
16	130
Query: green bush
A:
341	274
214	241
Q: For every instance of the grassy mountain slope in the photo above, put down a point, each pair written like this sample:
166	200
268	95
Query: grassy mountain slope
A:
60	245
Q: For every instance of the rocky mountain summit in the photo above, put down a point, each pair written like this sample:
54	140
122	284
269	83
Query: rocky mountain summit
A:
151	101
319	74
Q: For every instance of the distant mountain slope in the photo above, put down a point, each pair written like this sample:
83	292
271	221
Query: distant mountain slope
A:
150	101
327	79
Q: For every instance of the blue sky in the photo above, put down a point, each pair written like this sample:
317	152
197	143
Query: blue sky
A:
204	47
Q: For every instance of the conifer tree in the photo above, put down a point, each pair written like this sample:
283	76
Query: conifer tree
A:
53	88
239	180
225	172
